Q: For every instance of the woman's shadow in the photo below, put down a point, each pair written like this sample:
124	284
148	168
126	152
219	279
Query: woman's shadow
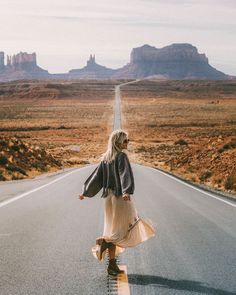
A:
187	285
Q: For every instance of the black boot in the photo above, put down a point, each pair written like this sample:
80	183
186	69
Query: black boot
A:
113	268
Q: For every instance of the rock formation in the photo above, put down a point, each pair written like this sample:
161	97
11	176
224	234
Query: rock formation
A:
2	65
176	61
91	71
91	62
21	66
22	61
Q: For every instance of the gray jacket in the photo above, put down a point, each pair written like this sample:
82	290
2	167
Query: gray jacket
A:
117	175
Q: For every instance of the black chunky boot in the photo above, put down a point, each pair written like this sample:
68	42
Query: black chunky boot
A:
113	268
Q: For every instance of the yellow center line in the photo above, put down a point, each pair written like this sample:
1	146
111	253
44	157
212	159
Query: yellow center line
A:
122	282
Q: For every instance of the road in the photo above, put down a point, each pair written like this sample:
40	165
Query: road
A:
46	235
117	123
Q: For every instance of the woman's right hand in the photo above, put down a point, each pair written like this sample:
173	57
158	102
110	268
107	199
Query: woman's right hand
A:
126	197
81	197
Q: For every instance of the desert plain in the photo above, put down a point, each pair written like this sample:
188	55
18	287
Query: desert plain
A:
186	127
70	121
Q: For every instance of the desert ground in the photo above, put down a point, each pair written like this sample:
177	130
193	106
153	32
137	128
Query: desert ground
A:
70	121
185	127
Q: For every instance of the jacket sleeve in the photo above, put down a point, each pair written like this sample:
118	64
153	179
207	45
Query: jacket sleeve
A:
94	182
126	174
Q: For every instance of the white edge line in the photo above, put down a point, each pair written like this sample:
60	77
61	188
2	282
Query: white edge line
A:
198	189
13	199
179	180
4	203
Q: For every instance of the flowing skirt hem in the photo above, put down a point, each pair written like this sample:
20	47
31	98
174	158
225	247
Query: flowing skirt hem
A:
139	233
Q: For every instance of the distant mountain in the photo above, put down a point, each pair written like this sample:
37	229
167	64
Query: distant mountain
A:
91	71
176	61
21	66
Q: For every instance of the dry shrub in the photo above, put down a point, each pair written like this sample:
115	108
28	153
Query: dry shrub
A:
205	175
181	142
230	182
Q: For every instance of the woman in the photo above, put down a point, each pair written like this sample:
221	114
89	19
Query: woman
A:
123	227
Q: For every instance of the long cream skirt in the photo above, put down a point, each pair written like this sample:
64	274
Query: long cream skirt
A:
122	224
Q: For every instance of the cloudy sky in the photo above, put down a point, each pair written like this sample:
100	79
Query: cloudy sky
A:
64	32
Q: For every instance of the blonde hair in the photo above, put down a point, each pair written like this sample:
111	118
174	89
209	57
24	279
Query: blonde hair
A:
116	138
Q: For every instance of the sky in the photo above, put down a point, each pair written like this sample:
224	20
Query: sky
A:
63	33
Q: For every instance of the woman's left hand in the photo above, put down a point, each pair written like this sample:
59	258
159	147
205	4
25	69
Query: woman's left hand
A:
126	197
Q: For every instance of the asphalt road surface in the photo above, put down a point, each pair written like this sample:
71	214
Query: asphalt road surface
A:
117	123
46	238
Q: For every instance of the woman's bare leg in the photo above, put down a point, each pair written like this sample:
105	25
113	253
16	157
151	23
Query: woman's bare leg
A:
112	251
